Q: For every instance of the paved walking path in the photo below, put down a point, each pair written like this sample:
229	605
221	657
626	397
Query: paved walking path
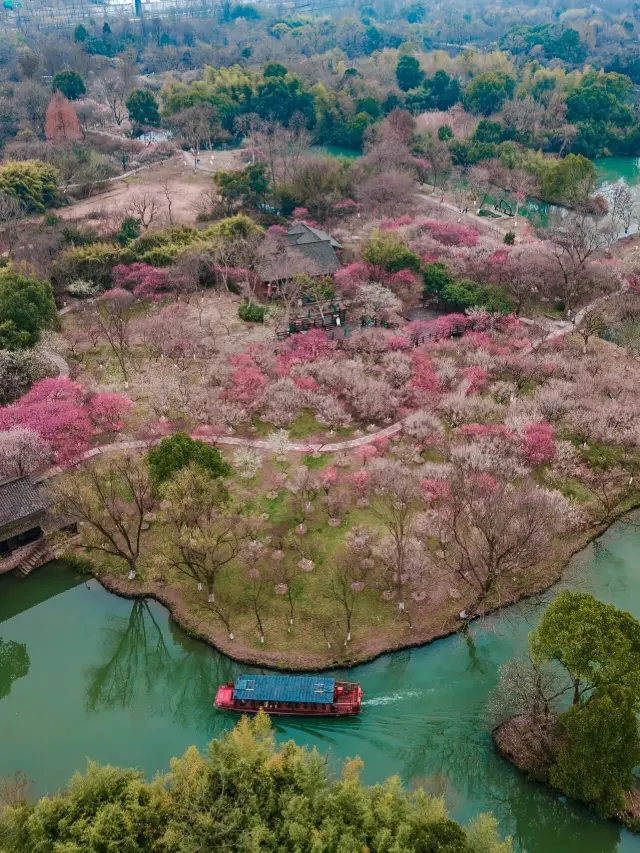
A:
58	360
481	221
563	327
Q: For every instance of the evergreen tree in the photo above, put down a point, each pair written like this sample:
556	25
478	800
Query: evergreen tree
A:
408	73
26	308
143	107
70	83
178	451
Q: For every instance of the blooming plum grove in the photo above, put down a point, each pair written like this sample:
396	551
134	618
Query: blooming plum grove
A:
65	416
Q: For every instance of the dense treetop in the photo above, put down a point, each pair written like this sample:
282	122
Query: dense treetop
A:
244	792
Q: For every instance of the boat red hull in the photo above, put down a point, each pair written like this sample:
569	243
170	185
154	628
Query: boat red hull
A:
224	701
286	713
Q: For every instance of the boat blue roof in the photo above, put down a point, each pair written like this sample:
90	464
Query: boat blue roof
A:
284	688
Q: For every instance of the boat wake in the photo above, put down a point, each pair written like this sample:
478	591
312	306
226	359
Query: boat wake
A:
400	696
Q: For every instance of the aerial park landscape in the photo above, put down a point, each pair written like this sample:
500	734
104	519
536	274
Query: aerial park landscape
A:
319	427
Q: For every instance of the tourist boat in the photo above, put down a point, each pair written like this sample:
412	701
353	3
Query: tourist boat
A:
299	695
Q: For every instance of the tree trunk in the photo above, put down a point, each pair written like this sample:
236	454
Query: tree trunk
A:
576	691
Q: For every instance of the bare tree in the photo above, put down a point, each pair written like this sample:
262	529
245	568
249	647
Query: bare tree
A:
144	207
490	532
396	501
193	125
109	502
343	590
15	789
303	486
168	194
628	334
286	575
11	215
115	92
114	316
478	182
203	537
460	190
621	206
386	193
523	115
520	184
528	687
592	323
282	147
573	246
257	593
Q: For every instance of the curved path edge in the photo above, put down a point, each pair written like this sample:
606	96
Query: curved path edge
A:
231	441
271	659
292	447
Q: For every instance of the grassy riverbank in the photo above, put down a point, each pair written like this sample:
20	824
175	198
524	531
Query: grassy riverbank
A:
380	630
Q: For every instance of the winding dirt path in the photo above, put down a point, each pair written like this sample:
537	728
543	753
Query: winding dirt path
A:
562	328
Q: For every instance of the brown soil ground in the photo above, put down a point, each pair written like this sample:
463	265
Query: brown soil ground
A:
184	185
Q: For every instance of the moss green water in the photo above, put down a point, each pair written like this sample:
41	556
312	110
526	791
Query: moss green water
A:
84	673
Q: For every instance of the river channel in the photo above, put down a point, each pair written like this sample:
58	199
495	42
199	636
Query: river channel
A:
86	674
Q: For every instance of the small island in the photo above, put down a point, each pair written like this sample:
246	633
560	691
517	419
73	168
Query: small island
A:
574	705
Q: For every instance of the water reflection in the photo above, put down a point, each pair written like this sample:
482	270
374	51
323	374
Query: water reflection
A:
14	664
143	666
137	691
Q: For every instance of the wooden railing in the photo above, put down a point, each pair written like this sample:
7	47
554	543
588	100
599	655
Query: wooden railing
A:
329	324
303	324
441	334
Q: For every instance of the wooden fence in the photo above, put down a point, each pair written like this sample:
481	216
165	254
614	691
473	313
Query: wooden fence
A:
429	337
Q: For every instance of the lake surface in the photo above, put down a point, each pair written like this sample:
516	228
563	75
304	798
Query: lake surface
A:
610	171
86	674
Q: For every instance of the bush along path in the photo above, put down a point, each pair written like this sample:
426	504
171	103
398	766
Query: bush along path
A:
562	328
233	441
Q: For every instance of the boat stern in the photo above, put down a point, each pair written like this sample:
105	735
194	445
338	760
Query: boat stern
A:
224	697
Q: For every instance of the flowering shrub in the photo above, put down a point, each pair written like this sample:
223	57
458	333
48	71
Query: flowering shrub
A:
483	430
230	276
302	348
328	477
424	376
364	453
396	342
434	490
63	414
107	411
144	280
476	377
450	233
538	445
392	224
306	383
352	276
404	279
346	206
247	384
448	322
360	480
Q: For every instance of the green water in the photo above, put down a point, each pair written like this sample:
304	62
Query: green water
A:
84	673
334	151
609	171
